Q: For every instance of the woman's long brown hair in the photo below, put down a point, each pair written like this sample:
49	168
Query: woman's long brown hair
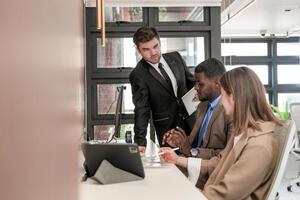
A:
250	104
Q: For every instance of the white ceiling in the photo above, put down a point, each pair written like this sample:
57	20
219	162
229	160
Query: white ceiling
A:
241	18
268	15
155	3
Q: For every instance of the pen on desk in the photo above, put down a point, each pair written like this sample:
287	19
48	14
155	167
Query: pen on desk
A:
174	149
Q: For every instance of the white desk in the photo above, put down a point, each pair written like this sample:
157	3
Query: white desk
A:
166	182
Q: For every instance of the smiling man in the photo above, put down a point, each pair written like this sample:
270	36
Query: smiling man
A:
158	82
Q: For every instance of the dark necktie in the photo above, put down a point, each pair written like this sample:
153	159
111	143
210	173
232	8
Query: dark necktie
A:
165	75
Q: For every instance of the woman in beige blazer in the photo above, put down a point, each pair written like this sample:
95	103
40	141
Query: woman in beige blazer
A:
243	170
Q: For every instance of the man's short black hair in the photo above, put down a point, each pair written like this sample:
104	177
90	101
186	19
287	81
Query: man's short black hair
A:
211	67
145	34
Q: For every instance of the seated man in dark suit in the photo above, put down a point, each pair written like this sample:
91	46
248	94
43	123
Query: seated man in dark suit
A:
210	132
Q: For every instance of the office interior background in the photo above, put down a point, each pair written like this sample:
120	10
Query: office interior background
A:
58	85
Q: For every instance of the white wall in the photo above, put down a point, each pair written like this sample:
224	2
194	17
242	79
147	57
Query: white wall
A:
41	117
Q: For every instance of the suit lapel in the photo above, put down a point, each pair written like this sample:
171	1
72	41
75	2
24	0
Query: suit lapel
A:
201	110
240	145
159	78
211	121
226	160
267	127
173	66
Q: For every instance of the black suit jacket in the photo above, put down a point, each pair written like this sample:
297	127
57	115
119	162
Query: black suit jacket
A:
150	92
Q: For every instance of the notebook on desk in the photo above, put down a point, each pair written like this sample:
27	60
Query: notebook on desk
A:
121	155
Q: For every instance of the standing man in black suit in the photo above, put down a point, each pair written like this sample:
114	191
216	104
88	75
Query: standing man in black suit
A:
158	82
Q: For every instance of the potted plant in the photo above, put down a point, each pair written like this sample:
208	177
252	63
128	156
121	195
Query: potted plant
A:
282	115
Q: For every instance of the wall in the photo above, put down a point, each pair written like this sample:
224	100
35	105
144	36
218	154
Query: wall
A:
41	84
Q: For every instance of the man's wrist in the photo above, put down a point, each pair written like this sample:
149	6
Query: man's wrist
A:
140	141
185	150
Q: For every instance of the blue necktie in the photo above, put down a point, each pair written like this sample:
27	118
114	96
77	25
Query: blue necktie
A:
204	125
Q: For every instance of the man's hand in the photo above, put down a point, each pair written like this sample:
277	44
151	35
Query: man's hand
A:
177	138
142	149
167	138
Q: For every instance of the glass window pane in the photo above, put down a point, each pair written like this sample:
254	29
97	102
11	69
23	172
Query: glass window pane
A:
267	97
167	14
118	52
190	48
129	14
260	70
287	97
102	132
244	49
121	52
107	99
288	74
288	49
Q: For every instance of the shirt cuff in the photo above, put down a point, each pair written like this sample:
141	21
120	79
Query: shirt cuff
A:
194	167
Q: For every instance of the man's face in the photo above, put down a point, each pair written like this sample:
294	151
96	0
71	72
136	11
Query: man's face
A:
207	89
150	51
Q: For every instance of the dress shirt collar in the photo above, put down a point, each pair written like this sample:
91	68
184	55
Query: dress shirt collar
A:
162	61
215	102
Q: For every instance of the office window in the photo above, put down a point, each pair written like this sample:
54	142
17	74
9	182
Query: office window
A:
274	60
288	74
169	14
190	48
123	14
108	67
260	70
117	53
244	49
287	97
121	52
102	132
288	49
268	97
107	99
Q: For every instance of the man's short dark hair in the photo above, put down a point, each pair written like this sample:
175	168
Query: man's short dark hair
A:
211	67
145	34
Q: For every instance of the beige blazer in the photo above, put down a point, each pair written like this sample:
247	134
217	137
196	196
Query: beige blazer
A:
216	134
243	171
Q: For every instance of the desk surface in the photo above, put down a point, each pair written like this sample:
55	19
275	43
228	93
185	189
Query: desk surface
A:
165	182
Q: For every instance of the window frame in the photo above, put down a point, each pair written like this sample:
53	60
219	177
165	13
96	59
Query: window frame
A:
210	30
272	60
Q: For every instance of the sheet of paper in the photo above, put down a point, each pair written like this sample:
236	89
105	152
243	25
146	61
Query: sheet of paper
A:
189	101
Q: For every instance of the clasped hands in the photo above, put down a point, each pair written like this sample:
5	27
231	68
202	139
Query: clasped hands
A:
175	138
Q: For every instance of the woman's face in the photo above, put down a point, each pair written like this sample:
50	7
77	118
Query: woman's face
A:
227	102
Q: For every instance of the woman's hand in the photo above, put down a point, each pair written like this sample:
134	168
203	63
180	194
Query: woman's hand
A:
168	155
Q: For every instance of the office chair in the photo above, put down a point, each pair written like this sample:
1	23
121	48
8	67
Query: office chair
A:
295	151
285	135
